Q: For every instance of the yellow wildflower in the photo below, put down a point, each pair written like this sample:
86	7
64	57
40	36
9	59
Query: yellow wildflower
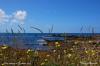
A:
69	55
45	60
76	42
86	51
28	50
64	51
2	64
42	63
93	52
56	43
47	55
71	49
4	47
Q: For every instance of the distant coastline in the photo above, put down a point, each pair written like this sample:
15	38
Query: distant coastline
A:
68	34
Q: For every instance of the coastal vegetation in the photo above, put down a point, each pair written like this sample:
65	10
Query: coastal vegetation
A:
77	51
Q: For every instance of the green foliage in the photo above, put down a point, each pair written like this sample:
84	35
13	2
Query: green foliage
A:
51	64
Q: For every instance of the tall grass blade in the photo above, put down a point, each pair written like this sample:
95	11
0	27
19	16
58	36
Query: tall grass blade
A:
37	29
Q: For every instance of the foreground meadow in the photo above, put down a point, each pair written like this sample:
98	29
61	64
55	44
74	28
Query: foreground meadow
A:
81	53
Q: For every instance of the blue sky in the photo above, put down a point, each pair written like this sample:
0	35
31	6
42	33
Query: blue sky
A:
66	15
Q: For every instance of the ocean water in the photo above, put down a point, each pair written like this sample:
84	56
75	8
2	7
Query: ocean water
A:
30	40
47	34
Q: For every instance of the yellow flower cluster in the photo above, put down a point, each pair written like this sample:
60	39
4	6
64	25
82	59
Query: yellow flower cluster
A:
2	65
57	44
43	63
4	47
29	50
92	52
47	55
76	42
69	55
65	51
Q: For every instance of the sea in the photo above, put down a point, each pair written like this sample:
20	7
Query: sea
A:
34	41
